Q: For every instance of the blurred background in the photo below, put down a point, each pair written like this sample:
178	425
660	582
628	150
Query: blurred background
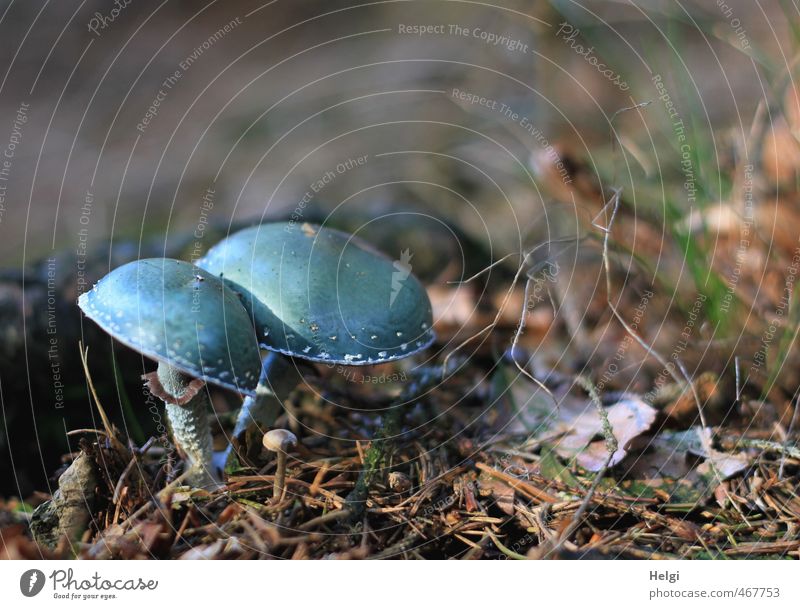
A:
462	131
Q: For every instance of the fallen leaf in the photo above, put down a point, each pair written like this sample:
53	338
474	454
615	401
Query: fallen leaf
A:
629	418
677	467
719	464
574	428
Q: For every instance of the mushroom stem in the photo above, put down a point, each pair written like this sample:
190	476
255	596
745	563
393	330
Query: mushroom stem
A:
278	378
189	422
280	475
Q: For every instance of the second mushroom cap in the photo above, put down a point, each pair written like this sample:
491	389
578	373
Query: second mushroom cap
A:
174	312
323	295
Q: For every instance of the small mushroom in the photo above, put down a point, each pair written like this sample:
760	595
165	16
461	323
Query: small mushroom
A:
320	295
279	441
197	330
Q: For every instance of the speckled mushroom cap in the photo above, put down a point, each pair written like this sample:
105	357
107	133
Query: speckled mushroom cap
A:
174	312
323	295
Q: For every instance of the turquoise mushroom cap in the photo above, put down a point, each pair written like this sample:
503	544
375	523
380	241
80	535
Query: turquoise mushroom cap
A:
174	312
324	295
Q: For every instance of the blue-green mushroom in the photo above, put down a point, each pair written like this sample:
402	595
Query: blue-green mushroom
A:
321	295
198	331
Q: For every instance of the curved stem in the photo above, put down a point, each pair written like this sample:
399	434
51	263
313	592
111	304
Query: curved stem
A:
190	426
278	378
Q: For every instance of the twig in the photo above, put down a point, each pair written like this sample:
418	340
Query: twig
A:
612	445
482	271
612	131
648	348
738	382
519	485
789	433
491	325
335	515
508	552
402	546
123	477
97	432
515	341
119	446
156	498
496	319
784	448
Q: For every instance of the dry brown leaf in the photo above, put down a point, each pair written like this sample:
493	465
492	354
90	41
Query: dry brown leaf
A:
453	308
583	434
781	155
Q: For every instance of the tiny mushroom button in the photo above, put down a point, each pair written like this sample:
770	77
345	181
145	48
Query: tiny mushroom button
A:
197	330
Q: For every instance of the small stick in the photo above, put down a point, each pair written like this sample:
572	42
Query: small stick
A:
612	445
496	320
119	446
334	515
789	433
123	477
155	498
482	271
504	549
517	484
